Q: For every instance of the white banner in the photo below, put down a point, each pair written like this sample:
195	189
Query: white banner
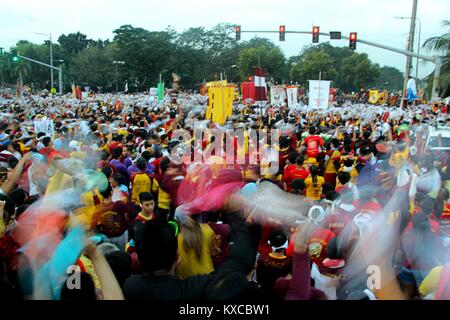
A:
153	91
44	125
260	81
319	93
277	95
291	92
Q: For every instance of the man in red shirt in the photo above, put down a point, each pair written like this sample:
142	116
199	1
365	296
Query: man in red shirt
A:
313	142
298	171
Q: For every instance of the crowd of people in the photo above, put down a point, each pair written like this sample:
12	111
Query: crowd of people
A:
95	207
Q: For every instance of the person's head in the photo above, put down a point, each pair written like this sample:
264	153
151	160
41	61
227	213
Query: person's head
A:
117	179
116	153
152	138
292	157
366	153
314	170
46	141
164	164
13	147
278	240
107	193
343	178
192	237
312	130
300	160
426	206
12	162
334	143
298	186
120	263
366	134
127	151
84	292
147	202
157	239
107	171
141	163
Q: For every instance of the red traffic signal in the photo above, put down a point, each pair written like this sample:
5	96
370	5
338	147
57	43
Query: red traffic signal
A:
238	32
282	33
315	34
352	40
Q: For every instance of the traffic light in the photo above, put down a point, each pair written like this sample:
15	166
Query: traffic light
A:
352	41
282	33
238	32
15	58
315	34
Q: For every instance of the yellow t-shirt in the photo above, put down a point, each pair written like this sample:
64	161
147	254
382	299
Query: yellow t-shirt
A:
189	263
312	192
398	159
163	197
330	164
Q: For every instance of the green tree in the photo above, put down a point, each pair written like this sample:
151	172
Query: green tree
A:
93	66
271	59
358	72
73	42
441	45
146	54
390	78
310	64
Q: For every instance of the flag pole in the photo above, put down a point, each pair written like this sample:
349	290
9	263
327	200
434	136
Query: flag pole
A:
318	100
259	102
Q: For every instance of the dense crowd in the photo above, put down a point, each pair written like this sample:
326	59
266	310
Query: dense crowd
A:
95	207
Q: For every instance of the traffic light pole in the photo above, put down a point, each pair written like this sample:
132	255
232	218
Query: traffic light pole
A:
48	66
436	59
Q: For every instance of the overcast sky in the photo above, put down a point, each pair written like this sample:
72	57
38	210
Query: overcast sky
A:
372	19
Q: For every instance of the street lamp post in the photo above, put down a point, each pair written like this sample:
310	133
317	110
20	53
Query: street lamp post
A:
60	78
418	43
51	56
225	71
117	62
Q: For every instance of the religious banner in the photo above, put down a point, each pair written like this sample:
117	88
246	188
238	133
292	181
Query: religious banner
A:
373	96
277	95
383	97
260	85
291	92
220	103
319	93
248	91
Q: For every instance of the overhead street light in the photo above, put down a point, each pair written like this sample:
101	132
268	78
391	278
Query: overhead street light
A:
49	36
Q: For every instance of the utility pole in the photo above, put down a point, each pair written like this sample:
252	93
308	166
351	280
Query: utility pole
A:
410	46
117	62
49	36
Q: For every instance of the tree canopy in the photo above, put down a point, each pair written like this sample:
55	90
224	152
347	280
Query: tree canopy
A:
196	54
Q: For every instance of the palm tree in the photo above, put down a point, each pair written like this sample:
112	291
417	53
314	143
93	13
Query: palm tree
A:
21	70
441	45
